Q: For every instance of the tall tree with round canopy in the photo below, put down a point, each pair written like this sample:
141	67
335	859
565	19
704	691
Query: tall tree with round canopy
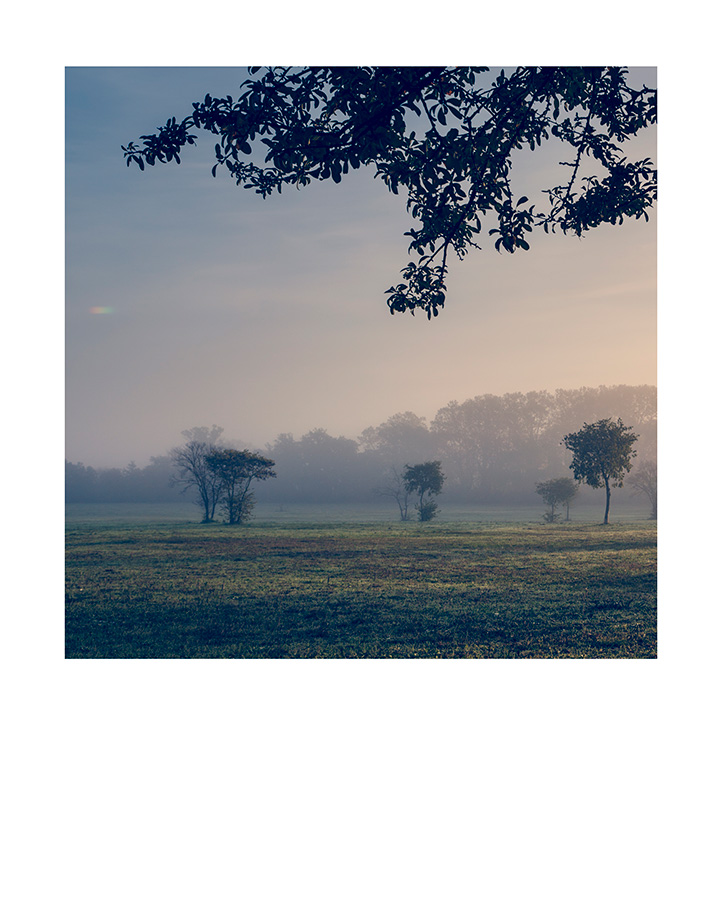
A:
602	454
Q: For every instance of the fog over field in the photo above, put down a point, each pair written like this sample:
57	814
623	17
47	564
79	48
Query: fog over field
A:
191	301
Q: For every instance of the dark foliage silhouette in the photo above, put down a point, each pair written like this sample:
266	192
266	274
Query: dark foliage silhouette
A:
602	454
557	492
426	480
447	137
235	471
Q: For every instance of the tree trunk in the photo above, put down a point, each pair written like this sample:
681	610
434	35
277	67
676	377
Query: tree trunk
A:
607	500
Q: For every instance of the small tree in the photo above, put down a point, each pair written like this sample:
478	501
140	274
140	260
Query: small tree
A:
396	487
235	471
425	479
191	469
643	481
568	495
602	454
555	492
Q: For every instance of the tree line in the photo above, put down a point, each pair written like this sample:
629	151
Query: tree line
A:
493	448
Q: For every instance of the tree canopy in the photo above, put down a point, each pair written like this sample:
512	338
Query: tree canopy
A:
446	136
425	479
235	471
554	492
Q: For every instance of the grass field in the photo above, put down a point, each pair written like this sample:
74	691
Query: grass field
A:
587	510
361	590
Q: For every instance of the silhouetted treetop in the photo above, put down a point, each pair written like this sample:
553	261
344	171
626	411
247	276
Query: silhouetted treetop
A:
445	135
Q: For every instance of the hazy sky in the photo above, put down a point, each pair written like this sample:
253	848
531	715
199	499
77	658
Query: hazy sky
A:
270	316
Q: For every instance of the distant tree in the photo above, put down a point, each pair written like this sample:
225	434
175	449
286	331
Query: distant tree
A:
81	483
401	436
235	470
396	487
569	493
643	481
425	479
602	454
555	492
318	467
447	137
156	480
112	485
192	470
203	434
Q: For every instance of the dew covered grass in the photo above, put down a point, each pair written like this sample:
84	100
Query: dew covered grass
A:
400	590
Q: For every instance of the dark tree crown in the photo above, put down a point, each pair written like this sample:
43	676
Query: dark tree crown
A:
602	452
444	138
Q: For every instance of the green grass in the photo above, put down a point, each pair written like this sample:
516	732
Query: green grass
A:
448	590
589	509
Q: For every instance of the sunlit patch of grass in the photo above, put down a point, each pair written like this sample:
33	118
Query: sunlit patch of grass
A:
361	591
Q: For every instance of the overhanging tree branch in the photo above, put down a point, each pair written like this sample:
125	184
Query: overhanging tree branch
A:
416	127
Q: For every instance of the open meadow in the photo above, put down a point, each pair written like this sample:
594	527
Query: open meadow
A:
358	589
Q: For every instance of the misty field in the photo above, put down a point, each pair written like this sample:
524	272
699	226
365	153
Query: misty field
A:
357	590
